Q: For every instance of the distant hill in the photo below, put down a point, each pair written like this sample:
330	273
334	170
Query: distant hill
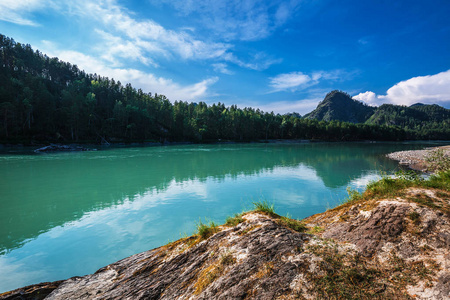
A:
420	121
389	114
426	121
340	106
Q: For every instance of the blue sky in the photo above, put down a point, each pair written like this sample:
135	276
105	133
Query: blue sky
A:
279	56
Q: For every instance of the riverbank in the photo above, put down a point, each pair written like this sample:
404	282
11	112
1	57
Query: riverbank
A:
418	160
391	242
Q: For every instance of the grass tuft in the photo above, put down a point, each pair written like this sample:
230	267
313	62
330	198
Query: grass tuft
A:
293	224
394	187
235	220
264	207
316	230
353	196
206	230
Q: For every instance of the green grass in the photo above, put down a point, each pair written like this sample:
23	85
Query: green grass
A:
315	230
392	187
206	230
293	224
235	220
353	196
264	207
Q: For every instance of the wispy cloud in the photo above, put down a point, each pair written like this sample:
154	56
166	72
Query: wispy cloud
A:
114	46
222	68
258	62
125	37
139	79
296	81
247	20
120	36
424	89
146	35
18	12
290	81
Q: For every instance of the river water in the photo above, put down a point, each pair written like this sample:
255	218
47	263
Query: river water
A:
68	214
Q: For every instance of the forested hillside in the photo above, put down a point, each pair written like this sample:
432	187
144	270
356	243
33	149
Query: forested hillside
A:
43	99
419	121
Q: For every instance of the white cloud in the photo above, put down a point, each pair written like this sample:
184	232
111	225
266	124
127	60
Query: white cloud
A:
292	81
295	81
114	47
121	37
368	97
222	68
125	37
430	89
146	81
17	12
146	35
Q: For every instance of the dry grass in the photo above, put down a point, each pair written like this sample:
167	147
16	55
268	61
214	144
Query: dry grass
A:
213	271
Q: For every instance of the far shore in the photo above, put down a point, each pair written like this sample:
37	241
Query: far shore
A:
92	144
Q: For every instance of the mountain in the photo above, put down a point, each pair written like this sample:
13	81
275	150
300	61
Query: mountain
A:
340	106
419	121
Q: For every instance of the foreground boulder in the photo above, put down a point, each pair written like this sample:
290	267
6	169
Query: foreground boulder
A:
392	248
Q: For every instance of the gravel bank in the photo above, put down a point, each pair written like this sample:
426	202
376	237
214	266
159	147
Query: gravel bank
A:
416	159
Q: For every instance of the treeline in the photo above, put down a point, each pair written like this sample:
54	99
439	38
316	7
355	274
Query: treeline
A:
44	99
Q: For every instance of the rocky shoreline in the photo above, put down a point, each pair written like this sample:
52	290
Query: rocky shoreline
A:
62	148
393	247
417	159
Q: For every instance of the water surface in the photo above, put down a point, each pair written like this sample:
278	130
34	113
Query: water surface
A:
68	214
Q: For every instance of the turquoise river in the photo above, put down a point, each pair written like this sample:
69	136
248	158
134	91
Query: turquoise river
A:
68	214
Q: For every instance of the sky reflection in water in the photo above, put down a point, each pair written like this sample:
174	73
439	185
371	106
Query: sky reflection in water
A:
104	206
